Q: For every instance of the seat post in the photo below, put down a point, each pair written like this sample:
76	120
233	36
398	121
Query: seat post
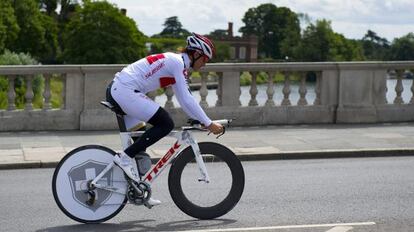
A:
121	123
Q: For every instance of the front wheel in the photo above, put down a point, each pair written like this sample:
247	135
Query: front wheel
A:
206	200
71	179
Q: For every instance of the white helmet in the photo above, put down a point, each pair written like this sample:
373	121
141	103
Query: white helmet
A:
201	44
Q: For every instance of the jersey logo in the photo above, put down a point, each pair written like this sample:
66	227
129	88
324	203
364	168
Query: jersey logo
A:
154	70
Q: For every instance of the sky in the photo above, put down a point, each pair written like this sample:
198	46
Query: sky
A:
352	18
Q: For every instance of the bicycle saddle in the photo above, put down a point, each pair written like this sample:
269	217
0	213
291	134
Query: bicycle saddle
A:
112	107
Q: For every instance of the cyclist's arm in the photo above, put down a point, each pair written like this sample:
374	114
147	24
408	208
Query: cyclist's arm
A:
187	101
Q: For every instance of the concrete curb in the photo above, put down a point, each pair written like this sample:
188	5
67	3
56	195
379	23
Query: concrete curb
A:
257	157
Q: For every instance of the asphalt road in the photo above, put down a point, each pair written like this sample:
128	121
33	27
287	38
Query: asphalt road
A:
369	194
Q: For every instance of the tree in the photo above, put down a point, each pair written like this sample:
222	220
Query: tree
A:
403	48
31	36
277	29
37	31
100	33
50	48
320	43
222	52
173	29
49	6
375	47
9	29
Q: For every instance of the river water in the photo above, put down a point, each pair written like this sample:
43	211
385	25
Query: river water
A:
294	94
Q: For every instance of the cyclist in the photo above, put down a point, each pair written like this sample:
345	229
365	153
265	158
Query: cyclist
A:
129	87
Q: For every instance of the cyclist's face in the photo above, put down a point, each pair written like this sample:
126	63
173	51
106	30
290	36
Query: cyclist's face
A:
201	61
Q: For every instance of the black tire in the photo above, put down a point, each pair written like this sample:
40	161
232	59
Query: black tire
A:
211	152
56	191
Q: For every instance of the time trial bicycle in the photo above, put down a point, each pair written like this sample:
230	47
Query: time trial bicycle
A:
206	180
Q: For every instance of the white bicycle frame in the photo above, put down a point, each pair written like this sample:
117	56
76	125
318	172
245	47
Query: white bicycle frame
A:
184	137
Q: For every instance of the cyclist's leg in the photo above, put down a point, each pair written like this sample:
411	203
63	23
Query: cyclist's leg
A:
162	125
138	107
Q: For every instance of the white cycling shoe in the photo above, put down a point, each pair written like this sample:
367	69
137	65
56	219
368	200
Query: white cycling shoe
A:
128	165
152	202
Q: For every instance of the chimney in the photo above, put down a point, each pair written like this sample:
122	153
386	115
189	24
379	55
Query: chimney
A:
123	11
230	30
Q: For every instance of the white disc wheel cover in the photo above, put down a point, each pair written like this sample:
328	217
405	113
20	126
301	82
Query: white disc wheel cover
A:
71	184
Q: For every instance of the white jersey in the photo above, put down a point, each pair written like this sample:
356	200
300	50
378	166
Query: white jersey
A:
160	71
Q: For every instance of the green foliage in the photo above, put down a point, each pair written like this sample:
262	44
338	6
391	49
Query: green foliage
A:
173	29
31	36
160	45
403	48
9	28
263	78
9	58
222	52
375	47
100	33
50	50
320	43
277	29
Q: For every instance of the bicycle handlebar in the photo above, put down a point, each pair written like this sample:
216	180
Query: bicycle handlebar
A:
223	122
197	125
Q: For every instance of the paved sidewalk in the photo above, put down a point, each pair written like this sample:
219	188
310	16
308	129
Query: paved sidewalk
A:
45	149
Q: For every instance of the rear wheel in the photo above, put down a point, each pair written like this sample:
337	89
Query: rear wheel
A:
71	179
206	200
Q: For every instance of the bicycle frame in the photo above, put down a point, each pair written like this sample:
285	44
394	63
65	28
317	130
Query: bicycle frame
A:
184	137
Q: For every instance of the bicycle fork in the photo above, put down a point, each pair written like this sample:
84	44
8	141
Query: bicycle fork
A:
197	155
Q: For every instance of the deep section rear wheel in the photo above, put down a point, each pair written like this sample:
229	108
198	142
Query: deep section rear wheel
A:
206	200
70	185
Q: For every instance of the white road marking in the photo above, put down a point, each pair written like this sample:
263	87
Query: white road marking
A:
340	229
285	227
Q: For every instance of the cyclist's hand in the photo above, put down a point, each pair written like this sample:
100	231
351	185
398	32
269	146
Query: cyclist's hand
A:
215	128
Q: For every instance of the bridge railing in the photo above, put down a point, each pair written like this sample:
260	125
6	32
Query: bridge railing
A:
292	93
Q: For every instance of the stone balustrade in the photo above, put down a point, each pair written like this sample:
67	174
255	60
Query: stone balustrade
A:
343	92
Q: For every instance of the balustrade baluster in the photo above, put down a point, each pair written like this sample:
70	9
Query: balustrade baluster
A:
219	87
302	90
253	90
169	104
270	90
286	90
412	91
399	88
29	93
47	93
203	90
63	77
11	95
318	89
